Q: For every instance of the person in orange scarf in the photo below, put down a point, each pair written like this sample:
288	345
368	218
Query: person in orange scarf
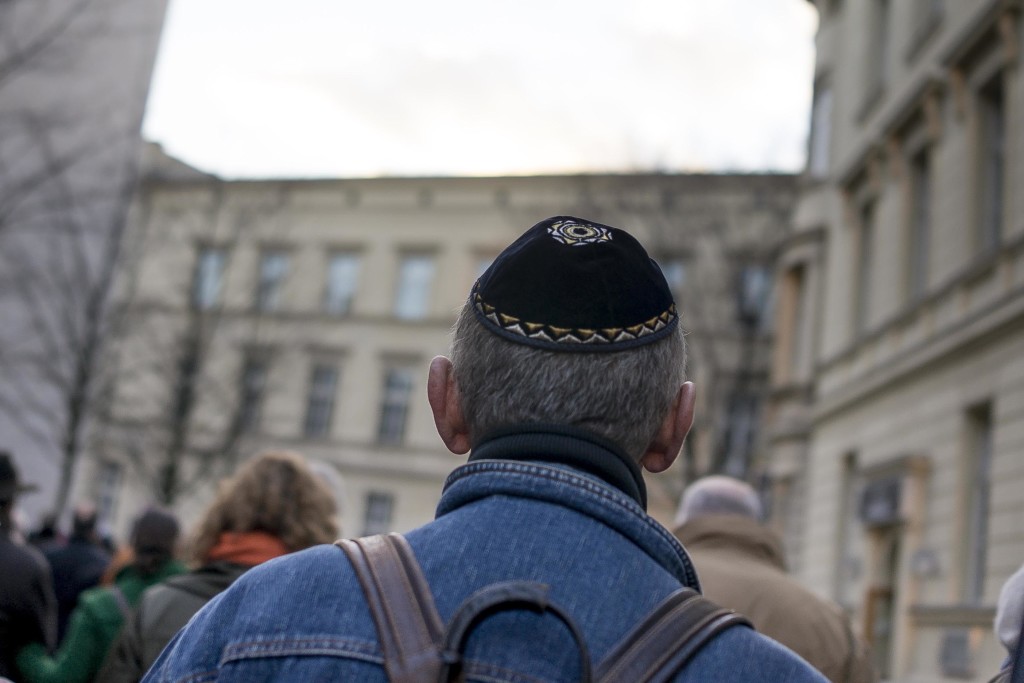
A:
274	505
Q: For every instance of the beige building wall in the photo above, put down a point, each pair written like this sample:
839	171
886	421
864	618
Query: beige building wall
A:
706	230
897	411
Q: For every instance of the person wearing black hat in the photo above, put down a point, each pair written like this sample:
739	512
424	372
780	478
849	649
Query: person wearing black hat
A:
566	379
28	608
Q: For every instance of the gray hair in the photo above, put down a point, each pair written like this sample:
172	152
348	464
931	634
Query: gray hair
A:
622	396
719	495
1010	611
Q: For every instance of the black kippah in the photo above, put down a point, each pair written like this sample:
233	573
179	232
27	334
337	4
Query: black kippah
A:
568	284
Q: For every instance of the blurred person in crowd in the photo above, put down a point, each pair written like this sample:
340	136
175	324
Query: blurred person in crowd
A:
741	566
77	565
105	537
566	380
274	505
121	556
95	622
47	536
1009	621
28	608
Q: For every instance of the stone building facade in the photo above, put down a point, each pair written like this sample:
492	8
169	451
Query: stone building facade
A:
896	419
302	314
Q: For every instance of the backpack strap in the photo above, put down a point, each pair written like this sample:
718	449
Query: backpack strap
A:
499	597
667	639
123	606
408	626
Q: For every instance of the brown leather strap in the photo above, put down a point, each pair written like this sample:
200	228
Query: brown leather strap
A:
665	641
408	626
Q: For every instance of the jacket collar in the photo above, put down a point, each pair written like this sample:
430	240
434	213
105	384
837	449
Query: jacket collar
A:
563	485
569	446
735	534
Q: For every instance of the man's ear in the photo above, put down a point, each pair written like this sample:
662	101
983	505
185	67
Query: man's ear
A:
443	396
666	444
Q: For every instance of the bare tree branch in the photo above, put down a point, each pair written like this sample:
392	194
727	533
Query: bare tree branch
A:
19	57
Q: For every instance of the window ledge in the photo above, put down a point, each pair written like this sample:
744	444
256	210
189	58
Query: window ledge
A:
953	615
809	182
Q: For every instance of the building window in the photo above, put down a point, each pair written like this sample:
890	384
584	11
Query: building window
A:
791	312
865	247
415	277
878	48
919	243
882	602
847	560
992	151
395	405
342	277
273	269
978	490
379	507
740	431
209	273
253	382
108	487
322	386
821	131
754	296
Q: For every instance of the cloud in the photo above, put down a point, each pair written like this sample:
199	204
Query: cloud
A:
453	87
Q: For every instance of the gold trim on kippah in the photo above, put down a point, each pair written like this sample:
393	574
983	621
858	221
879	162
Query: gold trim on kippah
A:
570	335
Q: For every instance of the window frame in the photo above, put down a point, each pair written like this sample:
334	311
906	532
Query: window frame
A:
977	480
269	290
335	256
867	226
320	400
920	220
991	170
376	501
819	139
392	411
201	273
409	289
250	400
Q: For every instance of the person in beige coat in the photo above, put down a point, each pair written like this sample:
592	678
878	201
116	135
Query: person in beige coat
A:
741	566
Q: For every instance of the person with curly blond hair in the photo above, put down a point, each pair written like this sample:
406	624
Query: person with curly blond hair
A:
274	505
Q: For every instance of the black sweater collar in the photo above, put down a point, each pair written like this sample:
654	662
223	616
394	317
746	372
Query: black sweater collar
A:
558	445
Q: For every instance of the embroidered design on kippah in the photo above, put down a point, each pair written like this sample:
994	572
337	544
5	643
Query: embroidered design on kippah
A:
577	234
569	335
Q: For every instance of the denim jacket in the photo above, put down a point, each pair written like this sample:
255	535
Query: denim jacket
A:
303	618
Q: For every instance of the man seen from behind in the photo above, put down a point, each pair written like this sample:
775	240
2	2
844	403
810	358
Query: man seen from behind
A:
742	567
565	380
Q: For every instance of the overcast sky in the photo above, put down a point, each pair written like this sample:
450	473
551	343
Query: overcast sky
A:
297	88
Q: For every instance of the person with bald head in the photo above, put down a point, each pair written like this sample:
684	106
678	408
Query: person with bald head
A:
741	565
1009	623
